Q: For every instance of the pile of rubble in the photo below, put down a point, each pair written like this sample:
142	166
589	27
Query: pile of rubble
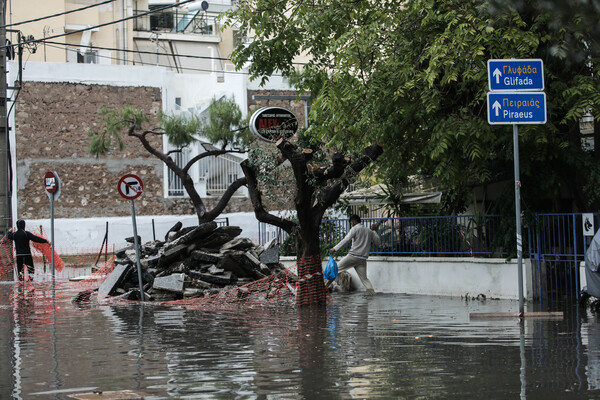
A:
191	262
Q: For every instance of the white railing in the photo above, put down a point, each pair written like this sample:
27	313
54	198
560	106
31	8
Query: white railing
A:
214	175
175	185
222	171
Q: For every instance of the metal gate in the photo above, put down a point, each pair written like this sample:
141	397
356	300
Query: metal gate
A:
557	247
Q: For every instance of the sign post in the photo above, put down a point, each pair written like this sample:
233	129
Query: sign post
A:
516	97
52	185
131	187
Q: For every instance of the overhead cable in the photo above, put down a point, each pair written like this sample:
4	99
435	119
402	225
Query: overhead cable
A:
99	25
142	63
56	15
92	47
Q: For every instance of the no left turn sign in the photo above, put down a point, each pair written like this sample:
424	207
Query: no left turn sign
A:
130	187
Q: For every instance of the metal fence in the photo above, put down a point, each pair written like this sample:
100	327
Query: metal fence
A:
448	236
555	244
557	247
175	184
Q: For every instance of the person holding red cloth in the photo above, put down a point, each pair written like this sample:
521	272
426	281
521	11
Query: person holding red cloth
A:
21	237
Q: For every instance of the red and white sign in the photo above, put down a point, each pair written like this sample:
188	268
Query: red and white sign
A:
130	186
52	184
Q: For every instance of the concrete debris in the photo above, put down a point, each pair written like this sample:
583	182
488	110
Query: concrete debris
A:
131	239
192	262
343	283
238	244
270	256
176	228
172	283
112	281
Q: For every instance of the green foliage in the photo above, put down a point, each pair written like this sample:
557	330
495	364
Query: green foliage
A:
276	179
413	76
114	121
181	131
225	125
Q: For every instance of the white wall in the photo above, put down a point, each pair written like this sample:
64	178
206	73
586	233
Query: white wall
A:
75	234
443	276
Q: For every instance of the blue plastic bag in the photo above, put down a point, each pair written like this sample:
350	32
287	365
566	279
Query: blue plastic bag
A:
331	269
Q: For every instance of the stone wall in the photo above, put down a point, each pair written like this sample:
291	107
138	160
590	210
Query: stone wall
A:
52	124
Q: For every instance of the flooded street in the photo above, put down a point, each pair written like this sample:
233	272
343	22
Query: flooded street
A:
384	347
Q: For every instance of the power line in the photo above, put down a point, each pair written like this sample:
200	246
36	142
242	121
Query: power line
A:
153	53
92	47
56	15
99	25
166	65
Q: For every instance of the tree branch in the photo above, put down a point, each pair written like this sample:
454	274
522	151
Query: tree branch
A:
335	171
186	180
331	194
208	154
218	209
256	198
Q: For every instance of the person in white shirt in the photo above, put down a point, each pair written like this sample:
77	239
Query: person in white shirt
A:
361	238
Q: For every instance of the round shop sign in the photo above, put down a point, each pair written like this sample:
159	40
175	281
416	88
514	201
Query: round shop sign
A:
273	123
130	186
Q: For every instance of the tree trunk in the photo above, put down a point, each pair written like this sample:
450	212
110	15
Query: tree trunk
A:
311	286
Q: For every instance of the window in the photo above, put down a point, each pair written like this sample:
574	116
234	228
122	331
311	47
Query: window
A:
161	20
89	57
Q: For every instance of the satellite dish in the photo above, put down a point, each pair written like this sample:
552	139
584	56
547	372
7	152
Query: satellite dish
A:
204	5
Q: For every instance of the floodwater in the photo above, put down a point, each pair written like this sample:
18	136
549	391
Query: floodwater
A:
383	347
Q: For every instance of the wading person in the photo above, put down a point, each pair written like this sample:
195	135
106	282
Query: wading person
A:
21	237
361	238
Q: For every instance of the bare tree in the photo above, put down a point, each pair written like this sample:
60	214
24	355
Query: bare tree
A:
318	187
221	127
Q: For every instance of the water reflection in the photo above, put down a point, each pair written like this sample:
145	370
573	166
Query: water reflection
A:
388	346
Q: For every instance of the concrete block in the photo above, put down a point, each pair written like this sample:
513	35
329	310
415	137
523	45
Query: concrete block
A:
111	282
172	283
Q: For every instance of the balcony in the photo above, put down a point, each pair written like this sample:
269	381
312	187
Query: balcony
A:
182	20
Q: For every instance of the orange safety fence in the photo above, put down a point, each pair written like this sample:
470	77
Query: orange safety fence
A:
80	260
297	286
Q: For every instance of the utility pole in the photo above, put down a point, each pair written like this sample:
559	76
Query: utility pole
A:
5	167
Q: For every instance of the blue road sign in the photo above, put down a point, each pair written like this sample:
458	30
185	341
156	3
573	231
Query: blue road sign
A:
509	108
513	74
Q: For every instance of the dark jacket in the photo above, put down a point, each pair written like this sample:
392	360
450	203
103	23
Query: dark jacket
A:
22	238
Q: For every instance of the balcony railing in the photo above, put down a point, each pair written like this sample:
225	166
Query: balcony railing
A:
177	20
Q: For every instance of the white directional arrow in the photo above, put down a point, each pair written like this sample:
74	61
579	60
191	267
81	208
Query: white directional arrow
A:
497	74
496	106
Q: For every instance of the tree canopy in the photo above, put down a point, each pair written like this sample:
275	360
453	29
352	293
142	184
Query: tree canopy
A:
413	75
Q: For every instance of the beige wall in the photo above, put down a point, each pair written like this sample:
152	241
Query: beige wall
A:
19	10
110	36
